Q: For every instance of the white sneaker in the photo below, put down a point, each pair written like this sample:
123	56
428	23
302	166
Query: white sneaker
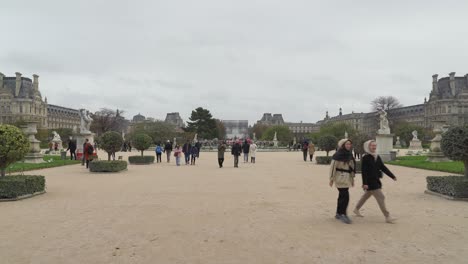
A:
390	220
357	213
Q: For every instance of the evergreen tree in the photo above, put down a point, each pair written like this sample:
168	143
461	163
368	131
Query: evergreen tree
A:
202	123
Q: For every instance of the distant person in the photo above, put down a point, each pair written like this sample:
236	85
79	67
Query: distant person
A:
372	168
129	147
51	146
56	146
236	152
186	148
305	149
88	152
159	151
253	151
311	150
199	147
193	154
177	154
246	150
72	149
168	150
95	145
342	172
124	147
221	149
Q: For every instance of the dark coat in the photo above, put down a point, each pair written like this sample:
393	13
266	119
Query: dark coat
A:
246	147
72	146
372	172
236	149
168	147
187	148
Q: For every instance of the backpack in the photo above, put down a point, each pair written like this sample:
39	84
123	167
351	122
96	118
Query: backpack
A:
90	149
158	149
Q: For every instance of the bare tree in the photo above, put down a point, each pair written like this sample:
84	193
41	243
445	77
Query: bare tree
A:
385	103
108	120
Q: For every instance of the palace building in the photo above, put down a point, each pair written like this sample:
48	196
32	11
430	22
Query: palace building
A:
21	100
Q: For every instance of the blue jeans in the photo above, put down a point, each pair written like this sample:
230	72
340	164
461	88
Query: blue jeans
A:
177	160
187	158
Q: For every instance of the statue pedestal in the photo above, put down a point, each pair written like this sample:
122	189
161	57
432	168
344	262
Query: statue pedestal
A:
384	146
436	155
415	144
59	144
275	143
80	140
34	155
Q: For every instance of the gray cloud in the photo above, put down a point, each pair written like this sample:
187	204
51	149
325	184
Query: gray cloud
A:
238	58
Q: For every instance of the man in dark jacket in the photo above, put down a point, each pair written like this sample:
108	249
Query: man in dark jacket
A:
186	149
246	150
305	149
199	146
236	152
168	150
72	148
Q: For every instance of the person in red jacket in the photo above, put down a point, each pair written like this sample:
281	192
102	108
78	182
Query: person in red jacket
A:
88	148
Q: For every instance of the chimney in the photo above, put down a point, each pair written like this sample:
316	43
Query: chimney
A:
435	84
452	83
1	80
36	82
18	83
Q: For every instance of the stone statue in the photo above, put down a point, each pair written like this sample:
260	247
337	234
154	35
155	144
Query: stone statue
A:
56	137
384	127
275	138
195	138
85	122
415	135
346	134
254	136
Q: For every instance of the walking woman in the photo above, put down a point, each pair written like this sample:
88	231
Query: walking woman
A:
372	168
177	154
253	152
221	149
342	172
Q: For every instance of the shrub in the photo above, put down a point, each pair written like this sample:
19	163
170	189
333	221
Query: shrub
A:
111	142
454	144
327	143
323	159
141	159
12	187
13	146
107	166
142	142
455	186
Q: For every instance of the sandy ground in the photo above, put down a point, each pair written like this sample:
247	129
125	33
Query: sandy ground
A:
279	210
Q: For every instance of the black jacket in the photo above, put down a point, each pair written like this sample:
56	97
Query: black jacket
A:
71	146
372	172
246	148
236	149
168	147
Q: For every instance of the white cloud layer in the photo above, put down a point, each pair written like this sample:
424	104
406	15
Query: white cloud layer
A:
237	58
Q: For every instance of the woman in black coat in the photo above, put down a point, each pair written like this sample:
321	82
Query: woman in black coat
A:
372	168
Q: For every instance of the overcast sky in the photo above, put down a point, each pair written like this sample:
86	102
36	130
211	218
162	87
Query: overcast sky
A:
237	58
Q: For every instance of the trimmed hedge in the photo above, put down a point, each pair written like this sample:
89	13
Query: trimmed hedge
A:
455	186
107	166
323	160
141	159
14	186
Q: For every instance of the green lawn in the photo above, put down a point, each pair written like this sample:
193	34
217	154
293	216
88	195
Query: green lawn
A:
50	162
421	163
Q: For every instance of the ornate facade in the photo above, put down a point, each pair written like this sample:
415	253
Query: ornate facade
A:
21	100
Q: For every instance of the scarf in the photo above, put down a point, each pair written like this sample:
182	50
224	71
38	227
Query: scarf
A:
343	154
